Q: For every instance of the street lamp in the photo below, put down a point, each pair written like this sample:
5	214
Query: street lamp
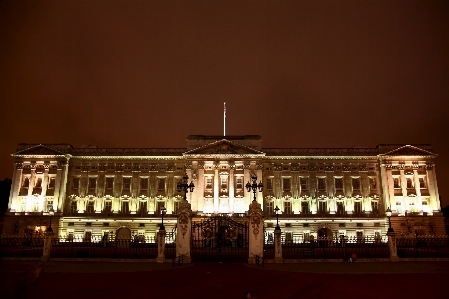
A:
254	186
388	214
51	212
163	209
276	210
185	186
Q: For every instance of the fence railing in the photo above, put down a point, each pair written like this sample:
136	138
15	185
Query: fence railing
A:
423	246
21	246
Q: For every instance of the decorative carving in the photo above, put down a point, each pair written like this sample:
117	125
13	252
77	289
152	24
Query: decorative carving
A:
119	167
312	167
85	167
294	167
429	165
19	165
183	221
188	165
388	166
363	167
329	167
232	166
277	167
201	165
259	166
255	217
170	167
217	165
247	165
346	168
401	166
153	167
102	167
136	167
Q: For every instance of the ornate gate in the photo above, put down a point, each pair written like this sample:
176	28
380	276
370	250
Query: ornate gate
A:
220	239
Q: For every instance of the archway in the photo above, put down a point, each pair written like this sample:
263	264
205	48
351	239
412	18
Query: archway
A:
123	233
324	237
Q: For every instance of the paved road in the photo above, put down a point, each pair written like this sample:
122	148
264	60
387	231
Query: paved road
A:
148	280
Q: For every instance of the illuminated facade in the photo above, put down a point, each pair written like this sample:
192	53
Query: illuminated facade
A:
319	191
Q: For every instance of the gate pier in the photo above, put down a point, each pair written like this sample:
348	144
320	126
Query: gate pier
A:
184	231
256	235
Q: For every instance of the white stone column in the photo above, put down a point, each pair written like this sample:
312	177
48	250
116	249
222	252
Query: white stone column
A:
259	195
14	204
403	179
434	201
183	229
247	178
277	246
417	190
47	246
200	188
161	246
256	235
216	188
231	188
393	246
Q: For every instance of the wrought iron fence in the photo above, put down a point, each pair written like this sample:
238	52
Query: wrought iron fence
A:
21	246
423	246
335	248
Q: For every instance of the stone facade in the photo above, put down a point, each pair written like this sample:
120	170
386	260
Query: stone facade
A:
319	191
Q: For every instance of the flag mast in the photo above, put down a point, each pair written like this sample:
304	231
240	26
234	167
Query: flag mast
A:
224	120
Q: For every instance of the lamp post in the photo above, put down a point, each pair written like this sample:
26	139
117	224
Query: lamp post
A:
185	186
388	214
51	212
163	209
254	186
276	210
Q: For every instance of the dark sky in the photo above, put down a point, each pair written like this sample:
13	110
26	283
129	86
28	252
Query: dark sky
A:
298	73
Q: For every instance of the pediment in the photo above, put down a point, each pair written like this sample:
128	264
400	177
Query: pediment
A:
409	150
39	150
224	147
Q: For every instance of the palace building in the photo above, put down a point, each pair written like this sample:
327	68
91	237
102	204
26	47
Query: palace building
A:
93	191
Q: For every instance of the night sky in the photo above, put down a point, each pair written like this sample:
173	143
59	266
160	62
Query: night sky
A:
298	73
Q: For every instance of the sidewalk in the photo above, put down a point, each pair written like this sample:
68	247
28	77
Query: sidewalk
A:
80	280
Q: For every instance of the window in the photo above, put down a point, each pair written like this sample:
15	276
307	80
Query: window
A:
126	183
125	207
239	183
208	183
396	183
269	184
338	183
52	183
224	183
305	207
287	207
143	183
143	207
286	184
322	207
306	237
73	208
422	183
359	235
375	207
303	182
372	183
321	184
356	183
409	183
358	207
87	236
38	183
109	183
92	183
26	182
270	208
90	207
76	183
399	207
161	184
108	206
340	208
49	205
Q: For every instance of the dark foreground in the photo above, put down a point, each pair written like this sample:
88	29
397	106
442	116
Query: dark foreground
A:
81	280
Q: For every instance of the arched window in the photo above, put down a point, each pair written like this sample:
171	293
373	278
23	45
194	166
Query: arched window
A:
26	182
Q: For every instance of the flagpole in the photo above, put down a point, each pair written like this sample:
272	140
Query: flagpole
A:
224	120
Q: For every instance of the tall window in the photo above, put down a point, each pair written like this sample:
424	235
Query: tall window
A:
26	182
372	183
269	184
143	207
356	183
397	183
76	183
73	208
51	183
340	208
422	183
409	183
161	184
144	183
126	183
358	207
90	207
49	205
208	182
38	183
92	183
287	207
239	183
224	183
108	206
270	208
109	183
321	184
338	183
303	182
286	184
322	206
125	207
304	207
375	207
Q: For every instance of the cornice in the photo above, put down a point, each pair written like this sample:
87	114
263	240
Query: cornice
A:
224	156
321	157
129	157
41	156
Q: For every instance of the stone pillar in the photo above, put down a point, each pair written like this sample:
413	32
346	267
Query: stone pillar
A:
256	235
161	246
14	204
47	246
231	188
216	187
392	245
434	202
278	246
184	231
